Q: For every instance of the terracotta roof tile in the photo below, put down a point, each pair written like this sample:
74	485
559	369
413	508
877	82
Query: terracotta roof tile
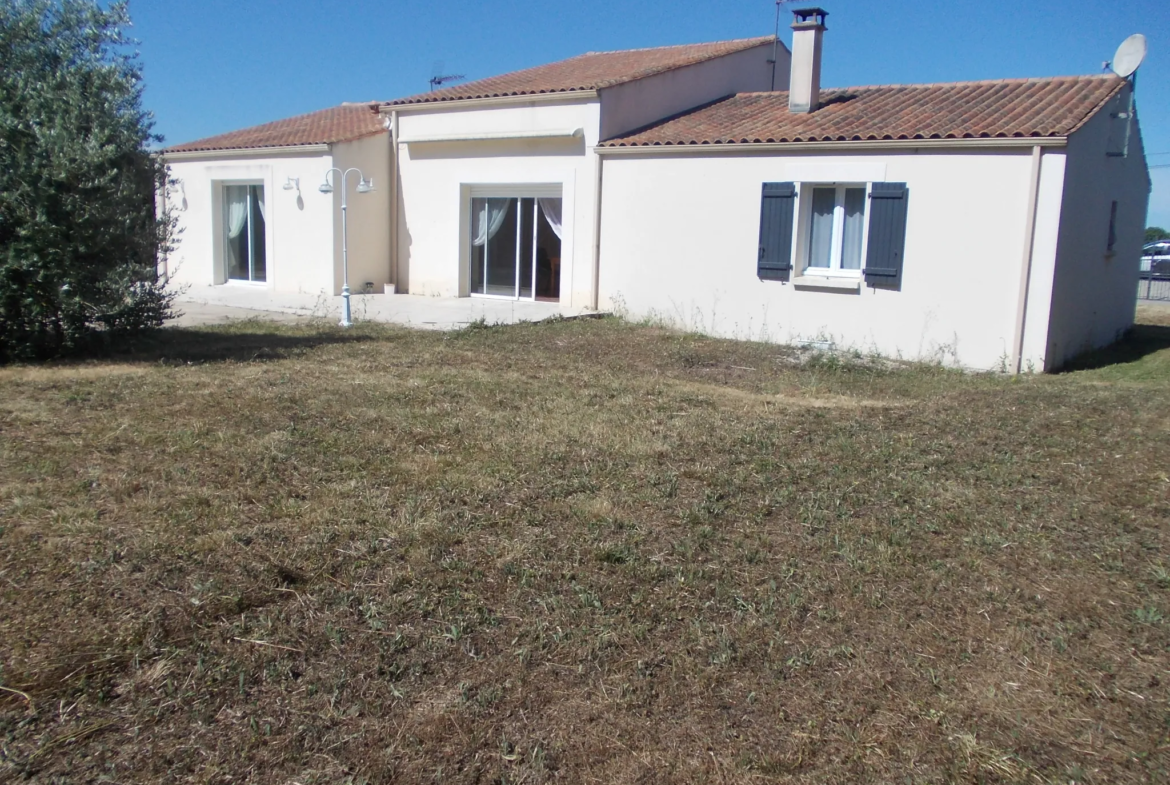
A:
590	71
958	110
337	124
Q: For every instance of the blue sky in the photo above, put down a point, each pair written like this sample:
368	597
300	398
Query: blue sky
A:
217	65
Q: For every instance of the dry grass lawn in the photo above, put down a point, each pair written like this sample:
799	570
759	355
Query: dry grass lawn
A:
581	552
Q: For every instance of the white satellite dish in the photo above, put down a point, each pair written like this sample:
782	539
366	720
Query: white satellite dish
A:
1129	55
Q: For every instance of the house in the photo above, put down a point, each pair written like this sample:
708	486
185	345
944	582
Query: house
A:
717	187
520	145
983	224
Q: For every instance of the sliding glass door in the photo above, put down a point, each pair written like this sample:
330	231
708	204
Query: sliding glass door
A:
244	255
516	247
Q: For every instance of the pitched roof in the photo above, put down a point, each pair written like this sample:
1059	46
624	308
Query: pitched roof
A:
590	71
956	110
337	124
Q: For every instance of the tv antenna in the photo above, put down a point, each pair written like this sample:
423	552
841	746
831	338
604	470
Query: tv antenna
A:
776	43
1125	64
439	78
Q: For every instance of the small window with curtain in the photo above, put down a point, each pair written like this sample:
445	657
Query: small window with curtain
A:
835	229
847	231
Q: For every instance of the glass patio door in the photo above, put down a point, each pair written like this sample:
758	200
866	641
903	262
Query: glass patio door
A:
516	247
244	256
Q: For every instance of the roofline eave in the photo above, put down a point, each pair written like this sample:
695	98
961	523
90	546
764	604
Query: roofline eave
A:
246	152
561	96
809	147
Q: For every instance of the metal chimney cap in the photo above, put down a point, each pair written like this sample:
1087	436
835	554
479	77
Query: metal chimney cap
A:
808	17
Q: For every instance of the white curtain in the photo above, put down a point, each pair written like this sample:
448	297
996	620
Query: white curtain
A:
260	202
237	209
552	213
854	228
824	202
488	221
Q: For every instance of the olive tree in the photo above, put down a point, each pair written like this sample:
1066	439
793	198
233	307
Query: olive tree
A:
79	229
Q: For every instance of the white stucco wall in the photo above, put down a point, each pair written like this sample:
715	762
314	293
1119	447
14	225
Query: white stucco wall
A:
369	213
632	105
680	237
436	177
303	234
299	232
1094	292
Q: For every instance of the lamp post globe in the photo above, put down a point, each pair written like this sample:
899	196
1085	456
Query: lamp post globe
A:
364	187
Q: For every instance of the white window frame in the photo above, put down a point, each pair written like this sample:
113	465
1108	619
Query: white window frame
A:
804	244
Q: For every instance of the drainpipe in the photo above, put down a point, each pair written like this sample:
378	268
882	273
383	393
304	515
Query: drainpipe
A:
596	292
162	268
1026	267
394	201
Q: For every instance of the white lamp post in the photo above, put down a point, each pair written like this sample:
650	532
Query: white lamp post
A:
364	186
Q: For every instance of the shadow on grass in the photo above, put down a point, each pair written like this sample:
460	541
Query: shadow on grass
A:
239	343
1141	341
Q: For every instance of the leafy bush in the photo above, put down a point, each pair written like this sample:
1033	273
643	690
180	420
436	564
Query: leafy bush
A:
79	233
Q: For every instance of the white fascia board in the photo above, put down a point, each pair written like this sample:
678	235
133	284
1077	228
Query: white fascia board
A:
1027	142
246	152
567	96
487	136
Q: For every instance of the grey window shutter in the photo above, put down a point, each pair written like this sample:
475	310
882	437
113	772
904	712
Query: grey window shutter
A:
887	233
776	211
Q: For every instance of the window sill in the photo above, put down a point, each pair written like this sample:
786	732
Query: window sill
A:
825	282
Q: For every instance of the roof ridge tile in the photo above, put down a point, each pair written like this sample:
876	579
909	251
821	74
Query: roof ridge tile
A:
961	83
588	71
758	39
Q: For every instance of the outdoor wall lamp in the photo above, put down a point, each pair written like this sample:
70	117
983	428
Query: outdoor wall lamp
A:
364	186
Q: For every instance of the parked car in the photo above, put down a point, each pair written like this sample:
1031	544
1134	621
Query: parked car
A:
1156	260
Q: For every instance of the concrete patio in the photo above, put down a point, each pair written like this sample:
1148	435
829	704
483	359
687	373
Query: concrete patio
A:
211	304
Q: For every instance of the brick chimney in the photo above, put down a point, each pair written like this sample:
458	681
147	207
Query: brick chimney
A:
804	91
